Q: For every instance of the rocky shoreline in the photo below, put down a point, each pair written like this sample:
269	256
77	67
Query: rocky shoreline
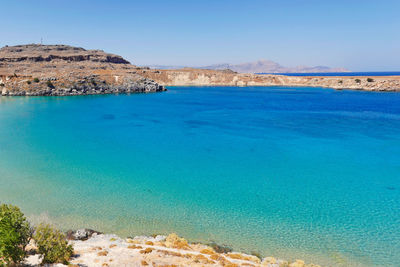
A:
61	70
85	86
201	77
92	248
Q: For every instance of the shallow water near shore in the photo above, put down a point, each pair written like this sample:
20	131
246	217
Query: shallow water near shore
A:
305	173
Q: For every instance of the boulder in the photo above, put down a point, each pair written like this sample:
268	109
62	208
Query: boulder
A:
81	234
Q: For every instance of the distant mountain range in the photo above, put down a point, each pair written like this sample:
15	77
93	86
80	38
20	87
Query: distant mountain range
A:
260	66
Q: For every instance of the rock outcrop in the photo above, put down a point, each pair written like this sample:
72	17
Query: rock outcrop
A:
65	70
111	250
199	77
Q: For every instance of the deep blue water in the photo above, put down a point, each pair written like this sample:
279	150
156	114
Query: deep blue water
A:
291	172
374	73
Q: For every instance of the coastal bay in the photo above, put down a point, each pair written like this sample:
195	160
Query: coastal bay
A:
289	172
206	133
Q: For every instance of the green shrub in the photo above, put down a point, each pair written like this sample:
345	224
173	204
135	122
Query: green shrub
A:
50	84
370	80
52	244
15	233
28	82
36	80
358	80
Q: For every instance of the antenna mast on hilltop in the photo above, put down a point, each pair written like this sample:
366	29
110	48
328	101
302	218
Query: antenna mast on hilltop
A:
41	40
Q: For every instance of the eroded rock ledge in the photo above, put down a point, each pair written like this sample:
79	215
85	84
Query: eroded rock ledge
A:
95	249
59	70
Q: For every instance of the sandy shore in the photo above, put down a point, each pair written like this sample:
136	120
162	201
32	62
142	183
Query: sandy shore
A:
95	249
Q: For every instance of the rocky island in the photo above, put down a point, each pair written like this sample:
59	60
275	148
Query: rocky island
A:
60	70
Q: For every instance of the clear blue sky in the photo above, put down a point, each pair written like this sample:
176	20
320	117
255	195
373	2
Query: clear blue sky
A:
360	35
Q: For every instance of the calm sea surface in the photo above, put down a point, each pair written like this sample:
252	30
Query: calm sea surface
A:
292	172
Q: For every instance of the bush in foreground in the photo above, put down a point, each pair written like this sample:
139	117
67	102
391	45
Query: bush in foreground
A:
15	233
52	244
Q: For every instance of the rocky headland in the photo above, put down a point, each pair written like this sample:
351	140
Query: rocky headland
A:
59	70
92	248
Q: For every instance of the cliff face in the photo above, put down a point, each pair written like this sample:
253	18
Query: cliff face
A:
66	70
199	77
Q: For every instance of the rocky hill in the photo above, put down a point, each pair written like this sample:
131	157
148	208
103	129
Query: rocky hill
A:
65	70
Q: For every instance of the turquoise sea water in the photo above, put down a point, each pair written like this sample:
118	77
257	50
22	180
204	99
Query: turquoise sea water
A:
291	172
